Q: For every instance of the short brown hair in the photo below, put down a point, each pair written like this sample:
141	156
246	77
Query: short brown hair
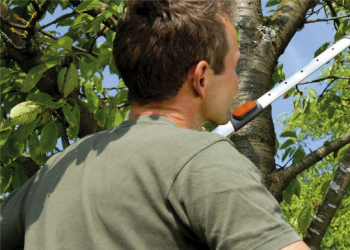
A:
158	41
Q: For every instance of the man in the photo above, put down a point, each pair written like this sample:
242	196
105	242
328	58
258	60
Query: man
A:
154	182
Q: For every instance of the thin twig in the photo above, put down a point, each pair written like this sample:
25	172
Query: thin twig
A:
10	42
115	88
96	37
334	14
74	47
57	20
325	78
329	84
326	19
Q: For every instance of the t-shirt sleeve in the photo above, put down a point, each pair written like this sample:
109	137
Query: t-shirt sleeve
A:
219	196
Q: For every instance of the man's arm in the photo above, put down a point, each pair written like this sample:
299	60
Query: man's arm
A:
299	245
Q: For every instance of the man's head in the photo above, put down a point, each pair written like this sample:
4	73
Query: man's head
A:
157	43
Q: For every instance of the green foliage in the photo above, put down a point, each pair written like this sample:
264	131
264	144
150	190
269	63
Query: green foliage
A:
32	120
318	116
278	74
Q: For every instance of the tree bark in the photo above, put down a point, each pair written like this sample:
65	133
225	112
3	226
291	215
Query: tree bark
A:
330	204
262	41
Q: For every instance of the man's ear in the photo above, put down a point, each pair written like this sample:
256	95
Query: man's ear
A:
202	78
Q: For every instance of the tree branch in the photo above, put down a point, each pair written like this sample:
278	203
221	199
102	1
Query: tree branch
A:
326	19
330	203
329	84
289	17
334	13
325	78
57	20
293	170
281	177
74	47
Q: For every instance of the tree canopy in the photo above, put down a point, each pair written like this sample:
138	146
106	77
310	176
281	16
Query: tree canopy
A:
52	91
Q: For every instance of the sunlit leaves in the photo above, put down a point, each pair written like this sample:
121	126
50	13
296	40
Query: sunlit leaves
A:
93	100
271	3
33	77
65	42
48	137
67	80
25	112
293	188
87	5
114	119
305	217
72	116
278	74
321	49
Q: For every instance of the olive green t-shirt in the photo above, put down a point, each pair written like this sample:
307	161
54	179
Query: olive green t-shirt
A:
146	184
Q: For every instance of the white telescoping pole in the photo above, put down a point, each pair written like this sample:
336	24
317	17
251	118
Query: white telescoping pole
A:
246	113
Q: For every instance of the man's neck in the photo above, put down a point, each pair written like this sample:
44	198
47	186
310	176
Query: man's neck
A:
183	117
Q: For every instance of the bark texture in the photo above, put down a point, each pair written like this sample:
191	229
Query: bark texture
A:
330	204
262	41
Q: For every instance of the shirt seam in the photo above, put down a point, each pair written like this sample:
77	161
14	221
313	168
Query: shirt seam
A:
186	163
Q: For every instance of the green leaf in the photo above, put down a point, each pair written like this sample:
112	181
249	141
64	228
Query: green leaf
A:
15	147
33	77
305	217
322	49
6	179
40	98
81	20
289	134
35	150
110	35
61	78
48	137
4	136
73	131
94	26
65	42
93	100
116	10
67	81
71	80
293	188
102	115
19	176
120	97
85	69
69	116
98	84
312	92
299	154
286	153
88	5
331	111
24	130
271	3
287	143
114	119
288	194
324	186
25	112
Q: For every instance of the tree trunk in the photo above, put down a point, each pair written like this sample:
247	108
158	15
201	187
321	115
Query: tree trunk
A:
262	41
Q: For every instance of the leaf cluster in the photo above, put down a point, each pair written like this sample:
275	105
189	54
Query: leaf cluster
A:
39	123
